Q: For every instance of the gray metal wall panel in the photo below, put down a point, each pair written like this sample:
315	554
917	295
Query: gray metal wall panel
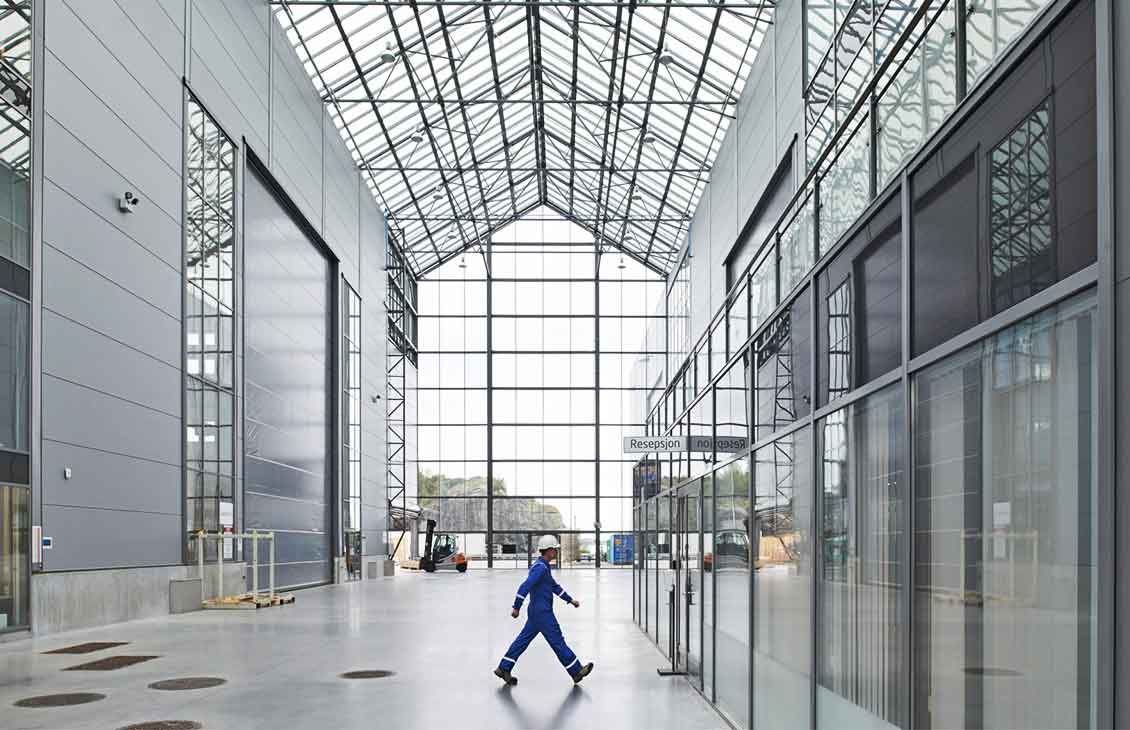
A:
99	127
245	25
144	42
161	24
300	175
107	538
70	43
90	239
789	58
90	180
293	87
76	415
173	10
221	45
101	480
231	82
80	355
374	359
699	267
341	196
224	105
87	297
287	380
296	129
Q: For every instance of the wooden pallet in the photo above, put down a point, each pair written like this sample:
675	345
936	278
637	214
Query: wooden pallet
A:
245	601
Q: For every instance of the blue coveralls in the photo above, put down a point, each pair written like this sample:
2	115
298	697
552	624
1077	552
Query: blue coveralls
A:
541	587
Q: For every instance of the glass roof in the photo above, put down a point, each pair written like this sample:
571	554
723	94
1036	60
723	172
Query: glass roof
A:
466	114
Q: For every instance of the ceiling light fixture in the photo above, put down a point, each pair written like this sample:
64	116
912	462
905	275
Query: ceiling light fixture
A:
417	136
388	56
649	138
665	57
621	265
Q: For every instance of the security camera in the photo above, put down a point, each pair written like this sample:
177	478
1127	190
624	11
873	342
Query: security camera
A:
128	202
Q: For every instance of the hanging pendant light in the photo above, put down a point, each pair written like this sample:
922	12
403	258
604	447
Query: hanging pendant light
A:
388	56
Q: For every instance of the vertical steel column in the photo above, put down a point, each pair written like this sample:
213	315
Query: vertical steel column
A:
336	436
490	402
961	60
907	556
1110	24
814	479
596	389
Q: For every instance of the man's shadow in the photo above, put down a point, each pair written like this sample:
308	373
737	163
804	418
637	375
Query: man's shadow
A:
572	700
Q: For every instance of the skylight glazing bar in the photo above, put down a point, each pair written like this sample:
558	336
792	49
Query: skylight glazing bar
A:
365	84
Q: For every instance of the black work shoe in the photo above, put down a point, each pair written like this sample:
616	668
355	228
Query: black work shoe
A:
506	676
582	673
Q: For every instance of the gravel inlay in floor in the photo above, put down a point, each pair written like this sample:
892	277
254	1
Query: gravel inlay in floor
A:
368	674
87	648
182	683
60	700
109	663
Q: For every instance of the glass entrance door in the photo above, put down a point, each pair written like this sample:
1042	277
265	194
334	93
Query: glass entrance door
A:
689	569
15	540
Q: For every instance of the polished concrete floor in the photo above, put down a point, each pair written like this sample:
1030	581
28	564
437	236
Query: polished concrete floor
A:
442	635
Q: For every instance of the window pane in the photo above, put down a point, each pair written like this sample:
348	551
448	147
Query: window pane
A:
860	664
14	384
860	307
945	257
1022	255
729	562
1005	490
784	381
782	539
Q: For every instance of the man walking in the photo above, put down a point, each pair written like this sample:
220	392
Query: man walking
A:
541	587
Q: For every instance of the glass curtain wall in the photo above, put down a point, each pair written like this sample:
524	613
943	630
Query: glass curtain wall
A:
209	316
15	313
538	404
351	431
924	530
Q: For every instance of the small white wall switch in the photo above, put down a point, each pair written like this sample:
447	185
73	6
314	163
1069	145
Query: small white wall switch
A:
67	473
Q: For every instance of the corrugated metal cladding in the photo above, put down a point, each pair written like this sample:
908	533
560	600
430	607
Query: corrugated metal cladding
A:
287	327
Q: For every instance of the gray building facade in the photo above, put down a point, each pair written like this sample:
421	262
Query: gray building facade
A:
112	485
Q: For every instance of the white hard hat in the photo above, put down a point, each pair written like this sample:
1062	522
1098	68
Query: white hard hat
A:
546	542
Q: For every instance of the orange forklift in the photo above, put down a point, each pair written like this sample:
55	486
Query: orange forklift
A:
441	552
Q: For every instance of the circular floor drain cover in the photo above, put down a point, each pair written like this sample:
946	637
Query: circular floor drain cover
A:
188	683
164	725
368	674
63	700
